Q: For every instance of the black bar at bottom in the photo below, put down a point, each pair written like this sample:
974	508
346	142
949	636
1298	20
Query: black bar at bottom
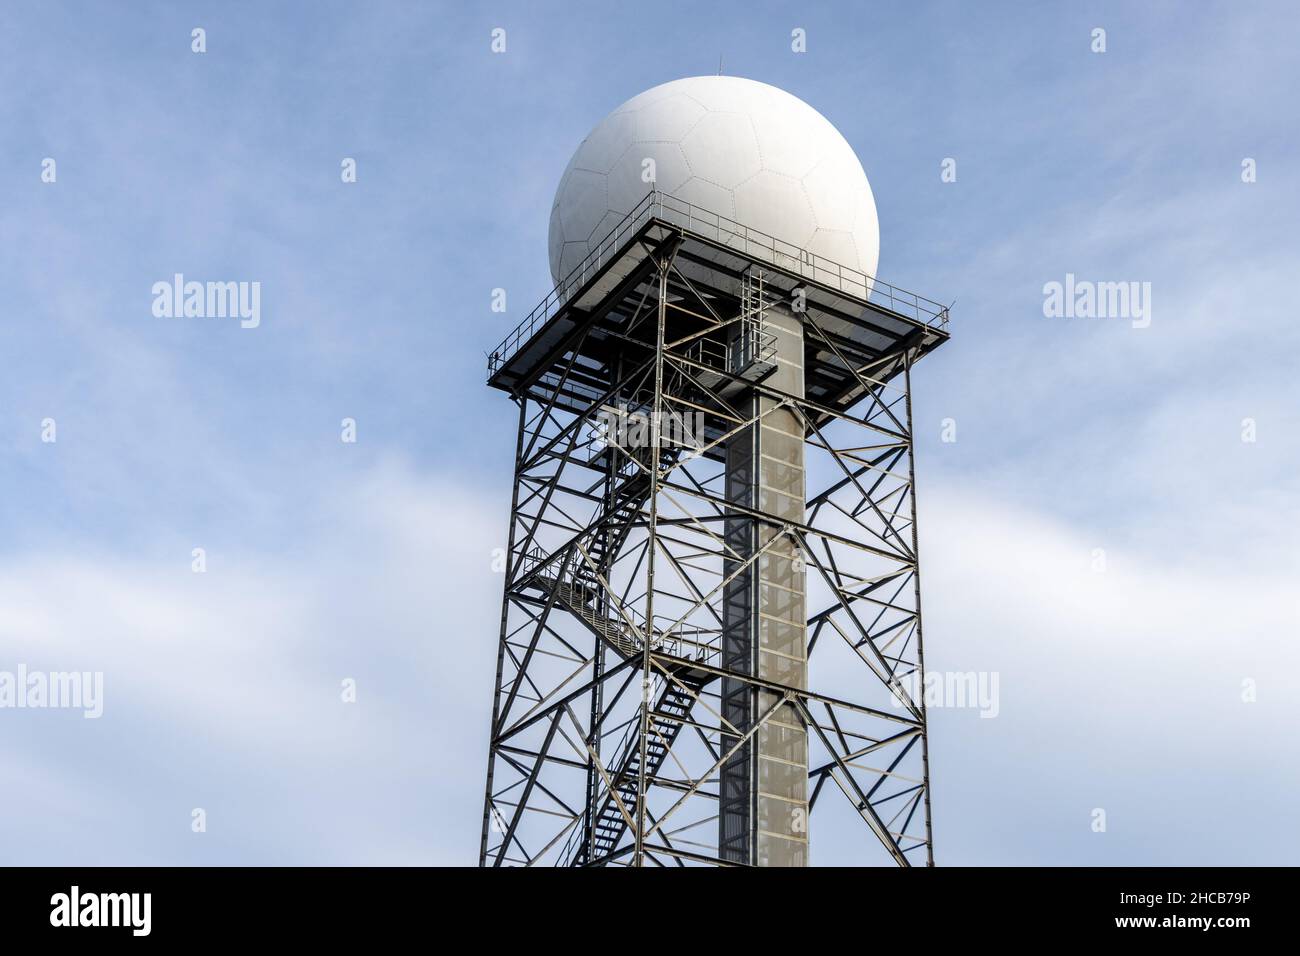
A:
335	905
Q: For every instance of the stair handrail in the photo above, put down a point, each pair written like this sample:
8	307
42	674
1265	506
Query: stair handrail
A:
677	639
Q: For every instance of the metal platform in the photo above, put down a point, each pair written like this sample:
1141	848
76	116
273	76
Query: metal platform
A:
860	318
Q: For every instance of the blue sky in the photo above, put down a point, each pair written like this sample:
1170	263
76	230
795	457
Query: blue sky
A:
371	560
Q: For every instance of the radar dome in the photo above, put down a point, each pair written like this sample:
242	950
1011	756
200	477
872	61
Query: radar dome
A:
737	147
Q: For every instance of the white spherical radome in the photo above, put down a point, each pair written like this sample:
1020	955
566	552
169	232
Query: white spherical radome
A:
746	150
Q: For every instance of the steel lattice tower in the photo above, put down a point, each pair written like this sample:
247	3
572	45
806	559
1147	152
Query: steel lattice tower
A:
712	600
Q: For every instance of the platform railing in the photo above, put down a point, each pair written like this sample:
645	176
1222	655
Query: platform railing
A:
735	235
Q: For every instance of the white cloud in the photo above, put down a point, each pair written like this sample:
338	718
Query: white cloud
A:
222	690
1120	689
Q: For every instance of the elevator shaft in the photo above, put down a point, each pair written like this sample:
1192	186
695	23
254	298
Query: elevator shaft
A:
763	807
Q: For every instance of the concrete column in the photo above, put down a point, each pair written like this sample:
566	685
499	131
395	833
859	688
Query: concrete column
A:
763	807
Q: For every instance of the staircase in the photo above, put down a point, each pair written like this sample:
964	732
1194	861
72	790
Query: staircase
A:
579	598
578	590
665	723
628	496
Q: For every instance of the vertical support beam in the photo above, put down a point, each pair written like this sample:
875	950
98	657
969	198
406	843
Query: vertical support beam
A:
652	460
594	781
501	638
916	584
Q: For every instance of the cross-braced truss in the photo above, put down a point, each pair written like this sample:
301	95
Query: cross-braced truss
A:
608	734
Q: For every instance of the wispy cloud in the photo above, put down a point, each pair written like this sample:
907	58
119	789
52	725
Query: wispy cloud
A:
223	689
